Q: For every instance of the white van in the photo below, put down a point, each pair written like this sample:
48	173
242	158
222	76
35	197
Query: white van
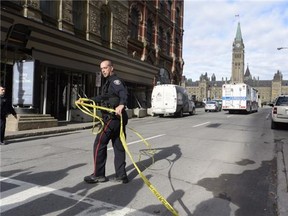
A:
169	99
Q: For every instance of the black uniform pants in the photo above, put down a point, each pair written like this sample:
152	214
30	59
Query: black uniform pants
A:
111	131
3	126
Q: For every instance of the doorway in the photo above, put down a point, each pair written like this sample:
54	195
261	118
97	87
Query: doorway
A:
57	83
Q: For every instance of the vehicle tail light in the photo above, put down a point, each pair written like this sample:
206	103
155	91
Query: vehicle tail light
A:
274	110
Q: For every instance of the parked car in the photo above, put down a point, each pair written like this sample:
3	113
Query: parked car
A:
212	106
279	111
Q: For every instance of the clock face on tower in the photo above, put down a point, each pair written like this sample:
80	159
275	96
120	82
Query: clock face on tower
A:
238	45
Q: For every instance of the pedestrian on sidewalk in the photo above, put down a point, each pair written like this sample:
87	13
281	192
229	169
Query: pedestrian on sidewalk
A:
114	95
6	109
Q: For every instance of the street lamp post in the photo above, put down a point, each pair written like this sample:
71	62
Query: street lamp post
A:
280	48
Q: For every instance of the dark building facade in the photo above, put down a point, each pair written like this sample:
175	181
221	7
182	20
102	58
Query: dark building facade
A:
63	42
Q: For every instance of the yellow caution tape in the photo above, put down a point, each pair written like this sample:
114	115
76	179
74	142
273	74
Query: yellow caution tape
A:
84	104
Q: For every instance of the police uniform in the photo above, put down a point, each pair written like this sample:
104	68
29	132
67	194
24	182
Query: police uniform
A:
114	93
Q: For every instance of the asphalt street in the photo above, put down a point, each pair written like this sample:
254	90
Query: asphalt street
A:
211	184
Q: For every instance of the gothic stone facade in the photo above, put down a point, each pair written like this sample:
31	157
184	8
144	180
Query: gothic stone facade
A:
69	38
209	88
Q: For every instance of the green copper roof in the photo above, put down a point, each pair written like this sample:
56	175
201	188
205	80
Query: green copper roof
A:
238	33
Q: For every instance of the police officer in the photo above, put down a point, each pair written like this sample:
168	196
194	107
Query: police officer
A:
6	109
114	95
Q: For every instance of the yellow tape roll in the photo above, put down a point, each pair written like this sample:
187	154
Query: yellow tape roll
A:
84	104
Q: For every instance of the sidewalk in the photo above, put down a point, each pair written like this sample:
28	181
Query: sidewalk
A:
282	157
63	127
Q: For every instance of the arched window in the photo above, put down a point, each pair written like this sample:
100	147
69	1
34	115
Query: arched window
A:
168	40
177	17
134	24
169	9
150	31
162	6
105	18
176	47
160	38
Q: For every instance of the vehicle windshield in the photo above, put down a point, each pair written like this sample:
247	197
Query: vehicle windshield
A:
211	102
282	101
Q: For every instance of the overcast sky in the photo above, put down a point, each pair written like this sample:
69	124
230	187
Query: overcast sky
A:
210	28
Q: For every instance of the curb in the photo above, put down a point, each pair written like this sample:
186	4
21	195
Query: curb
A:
46	131
282	179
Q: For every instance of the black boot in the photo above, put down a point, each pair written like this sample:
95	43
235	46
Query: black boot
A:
123	179
91	179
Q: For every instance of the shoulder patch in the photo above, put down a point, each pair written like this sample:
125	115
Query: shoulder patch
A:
117	82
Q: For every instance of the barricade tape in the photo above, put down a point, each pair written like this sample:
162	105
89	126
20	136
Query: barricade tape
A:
84	104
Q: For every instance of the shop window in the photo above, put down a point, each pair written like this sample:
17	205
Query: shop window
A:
77	88
76	93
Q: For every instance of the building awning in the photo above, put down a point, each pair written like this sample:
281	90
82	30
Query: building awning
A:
63	62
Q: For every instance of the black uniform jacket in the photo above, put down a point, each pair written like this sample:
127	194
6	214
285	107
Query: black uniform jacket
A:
114	93
6	107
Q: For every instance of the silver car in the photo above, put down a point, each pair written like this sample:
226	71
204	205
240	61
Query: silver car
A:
212	106
279	112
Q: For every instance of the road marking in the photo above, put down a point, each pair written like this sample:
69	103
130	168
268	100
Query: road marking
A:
201	124
28	192
137	141
33	191
20	197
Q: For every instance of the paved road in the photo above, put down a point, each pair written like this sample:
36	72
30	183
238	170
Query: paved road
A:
207	164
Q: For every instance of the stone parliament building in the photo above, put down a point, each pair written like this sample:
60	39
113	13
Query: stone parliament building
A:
210	88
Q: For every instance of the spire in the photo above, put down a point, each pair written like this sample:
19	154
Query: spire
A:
238	33
278	76
247	75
